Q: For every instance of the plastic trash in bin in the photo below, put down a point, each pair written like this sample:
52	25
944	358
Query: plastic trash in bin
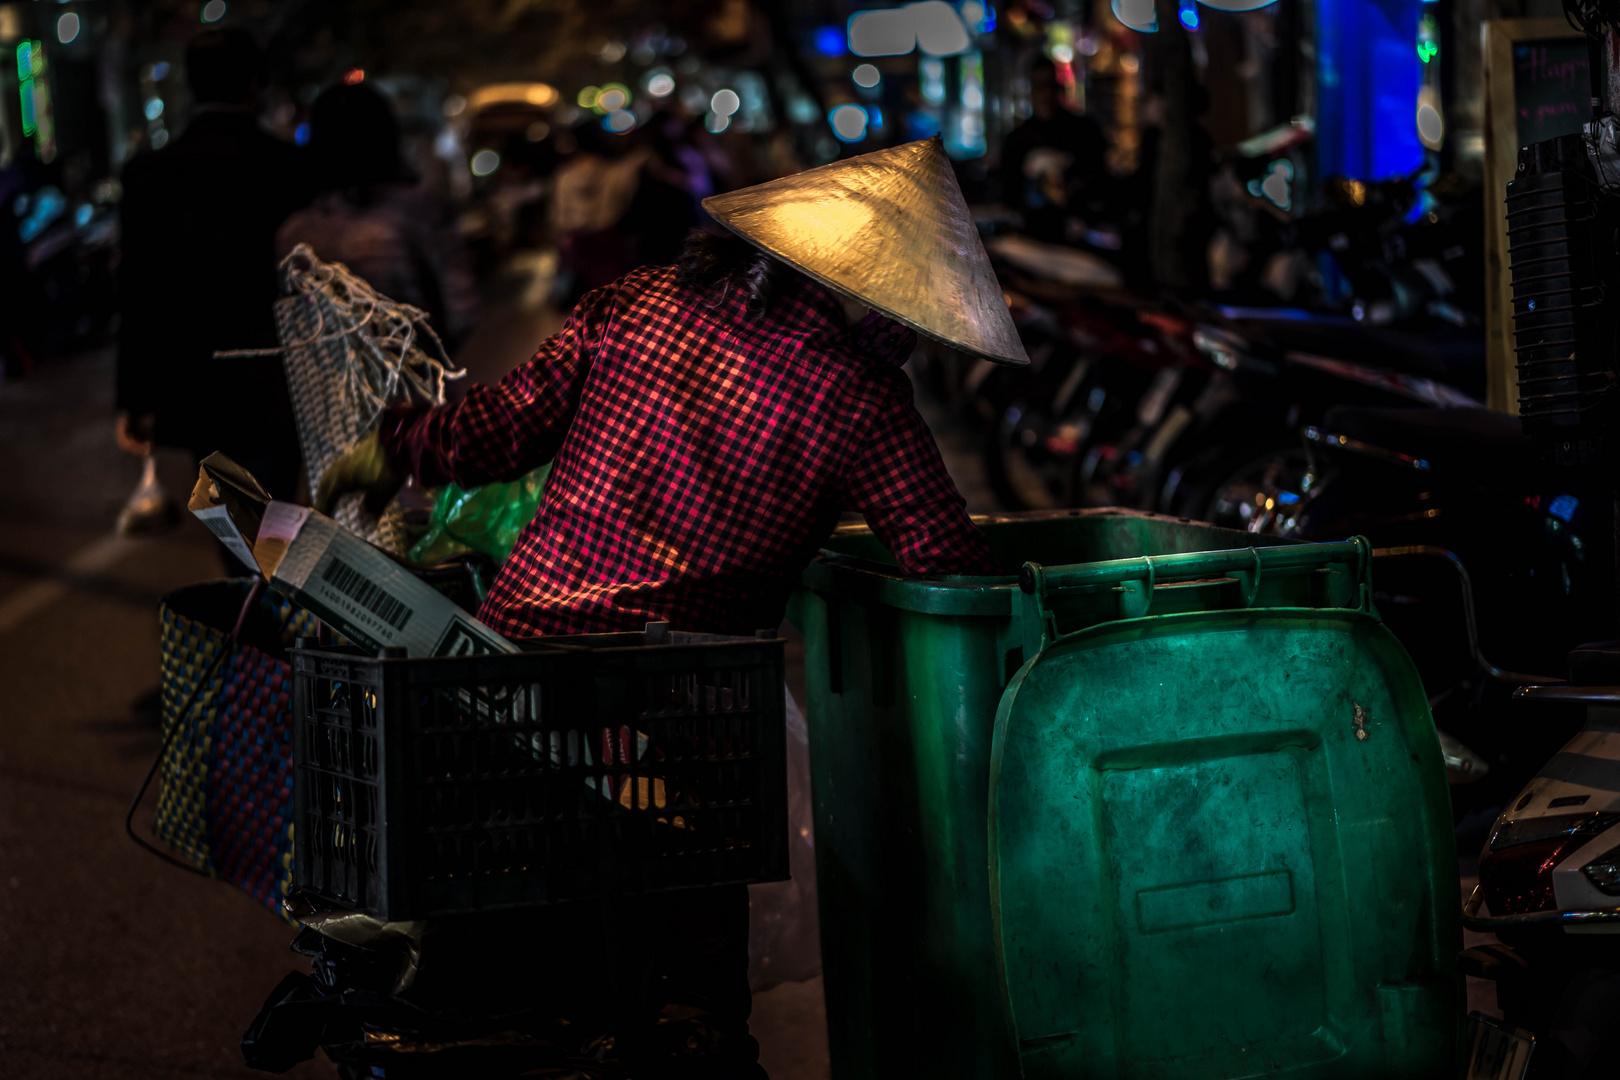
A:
784	944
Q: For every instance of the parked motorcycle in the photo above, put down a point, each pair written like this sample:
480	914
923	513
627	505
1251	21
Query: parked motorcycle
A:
1200	393
1095	353
1240	414
1449	496
1549	889
1549	874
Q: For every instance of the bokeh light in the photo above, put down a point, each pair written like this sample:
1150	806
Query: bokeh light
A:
932	26
485	162
1431	129
1139	15
939	28
715	123
154	108
612	98
725	102
848	123
829	41
883	32
540	95
213	11
866	75
619	121
660	84
587	97
67	28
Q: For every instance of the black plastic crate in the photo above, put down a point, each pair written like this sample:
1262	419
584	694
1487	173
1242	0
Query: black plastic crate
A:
592	766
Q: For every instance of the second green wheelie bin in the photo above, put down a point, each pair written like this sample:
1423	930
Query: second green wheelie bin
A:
1169	802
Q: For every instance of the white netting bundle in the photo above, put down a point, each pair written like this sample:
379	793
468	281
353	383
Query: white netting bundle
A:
350	352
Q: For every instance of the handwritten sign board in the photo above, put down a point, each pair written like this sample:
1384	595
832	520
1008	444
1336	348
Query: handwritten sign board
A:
1552	88
1537	86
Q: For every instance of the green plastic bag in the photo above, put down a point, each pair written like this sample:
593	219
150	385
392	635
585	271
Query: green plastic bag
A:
486	519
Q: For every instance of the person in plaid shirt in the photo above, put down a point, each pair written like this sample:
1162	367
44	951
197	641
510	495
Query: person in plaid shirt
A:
708	423
705	442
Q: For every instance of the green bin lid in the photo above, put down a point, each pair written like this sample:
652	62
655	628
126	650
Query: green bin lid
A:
1173	891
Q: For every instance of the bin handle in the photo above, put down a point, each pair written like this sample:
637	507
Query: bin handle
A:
1139	577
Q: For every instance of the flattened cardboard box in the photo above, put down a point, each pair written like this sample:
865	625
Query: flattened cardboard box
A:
346	582
231	503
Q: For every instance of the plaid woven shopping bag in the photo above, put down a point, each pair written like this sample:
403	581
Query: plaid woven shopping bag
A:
225	794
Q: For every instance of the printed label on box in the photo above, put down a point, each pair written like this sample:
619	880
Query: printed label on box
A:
363	593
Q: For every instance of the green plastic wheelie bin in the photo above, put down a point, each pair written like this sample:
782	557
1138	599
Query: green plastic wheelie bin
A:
1168	803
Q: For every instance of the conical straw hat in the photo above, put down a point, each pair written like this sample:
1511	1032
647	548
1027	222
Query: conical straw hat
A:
889	229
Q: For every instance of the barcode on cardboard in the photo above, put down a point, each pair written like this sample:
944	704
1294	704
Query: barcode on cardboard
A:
351	583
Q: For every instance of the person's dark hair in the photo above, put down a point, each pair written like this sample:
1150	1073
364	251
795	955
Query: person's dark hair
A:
224	67
355	140
721	262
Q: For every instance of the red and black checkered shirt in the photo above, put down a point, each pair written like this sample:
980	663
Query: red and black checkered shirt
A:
702	456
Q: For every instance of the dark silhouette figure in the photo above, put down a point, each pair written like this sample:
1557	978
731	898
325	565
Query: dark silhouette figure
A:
373	218
198	273
1054	162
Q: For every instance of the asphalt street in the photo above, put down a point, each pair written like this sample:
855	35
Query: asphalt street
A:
112	963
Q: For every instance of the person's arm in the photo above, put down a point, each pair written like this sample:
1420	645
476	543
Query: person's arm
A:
503	431
898	481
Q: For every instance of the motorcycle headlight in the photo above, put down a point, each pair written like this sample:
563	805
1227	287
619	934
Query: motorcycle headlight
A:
1604	872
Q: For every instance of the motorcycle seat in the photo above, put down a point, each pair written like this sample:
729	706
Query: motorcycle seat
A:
1479	440
1597	663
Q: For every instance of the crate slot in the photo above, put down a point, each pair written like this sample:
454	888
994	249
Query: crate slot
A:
429	787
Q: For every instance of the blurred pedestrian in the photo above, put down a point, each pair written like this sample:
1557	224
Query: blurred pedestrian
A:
1054	162
674	181
375	219
197	274
593	192
626	202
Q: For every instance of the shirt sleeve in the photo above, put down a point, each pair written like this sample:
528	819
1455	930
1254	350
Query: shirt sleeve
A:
500	432
899	483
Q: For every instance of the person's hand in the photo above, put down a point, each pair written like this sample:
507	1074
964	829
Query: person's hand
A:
364	468
134	433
